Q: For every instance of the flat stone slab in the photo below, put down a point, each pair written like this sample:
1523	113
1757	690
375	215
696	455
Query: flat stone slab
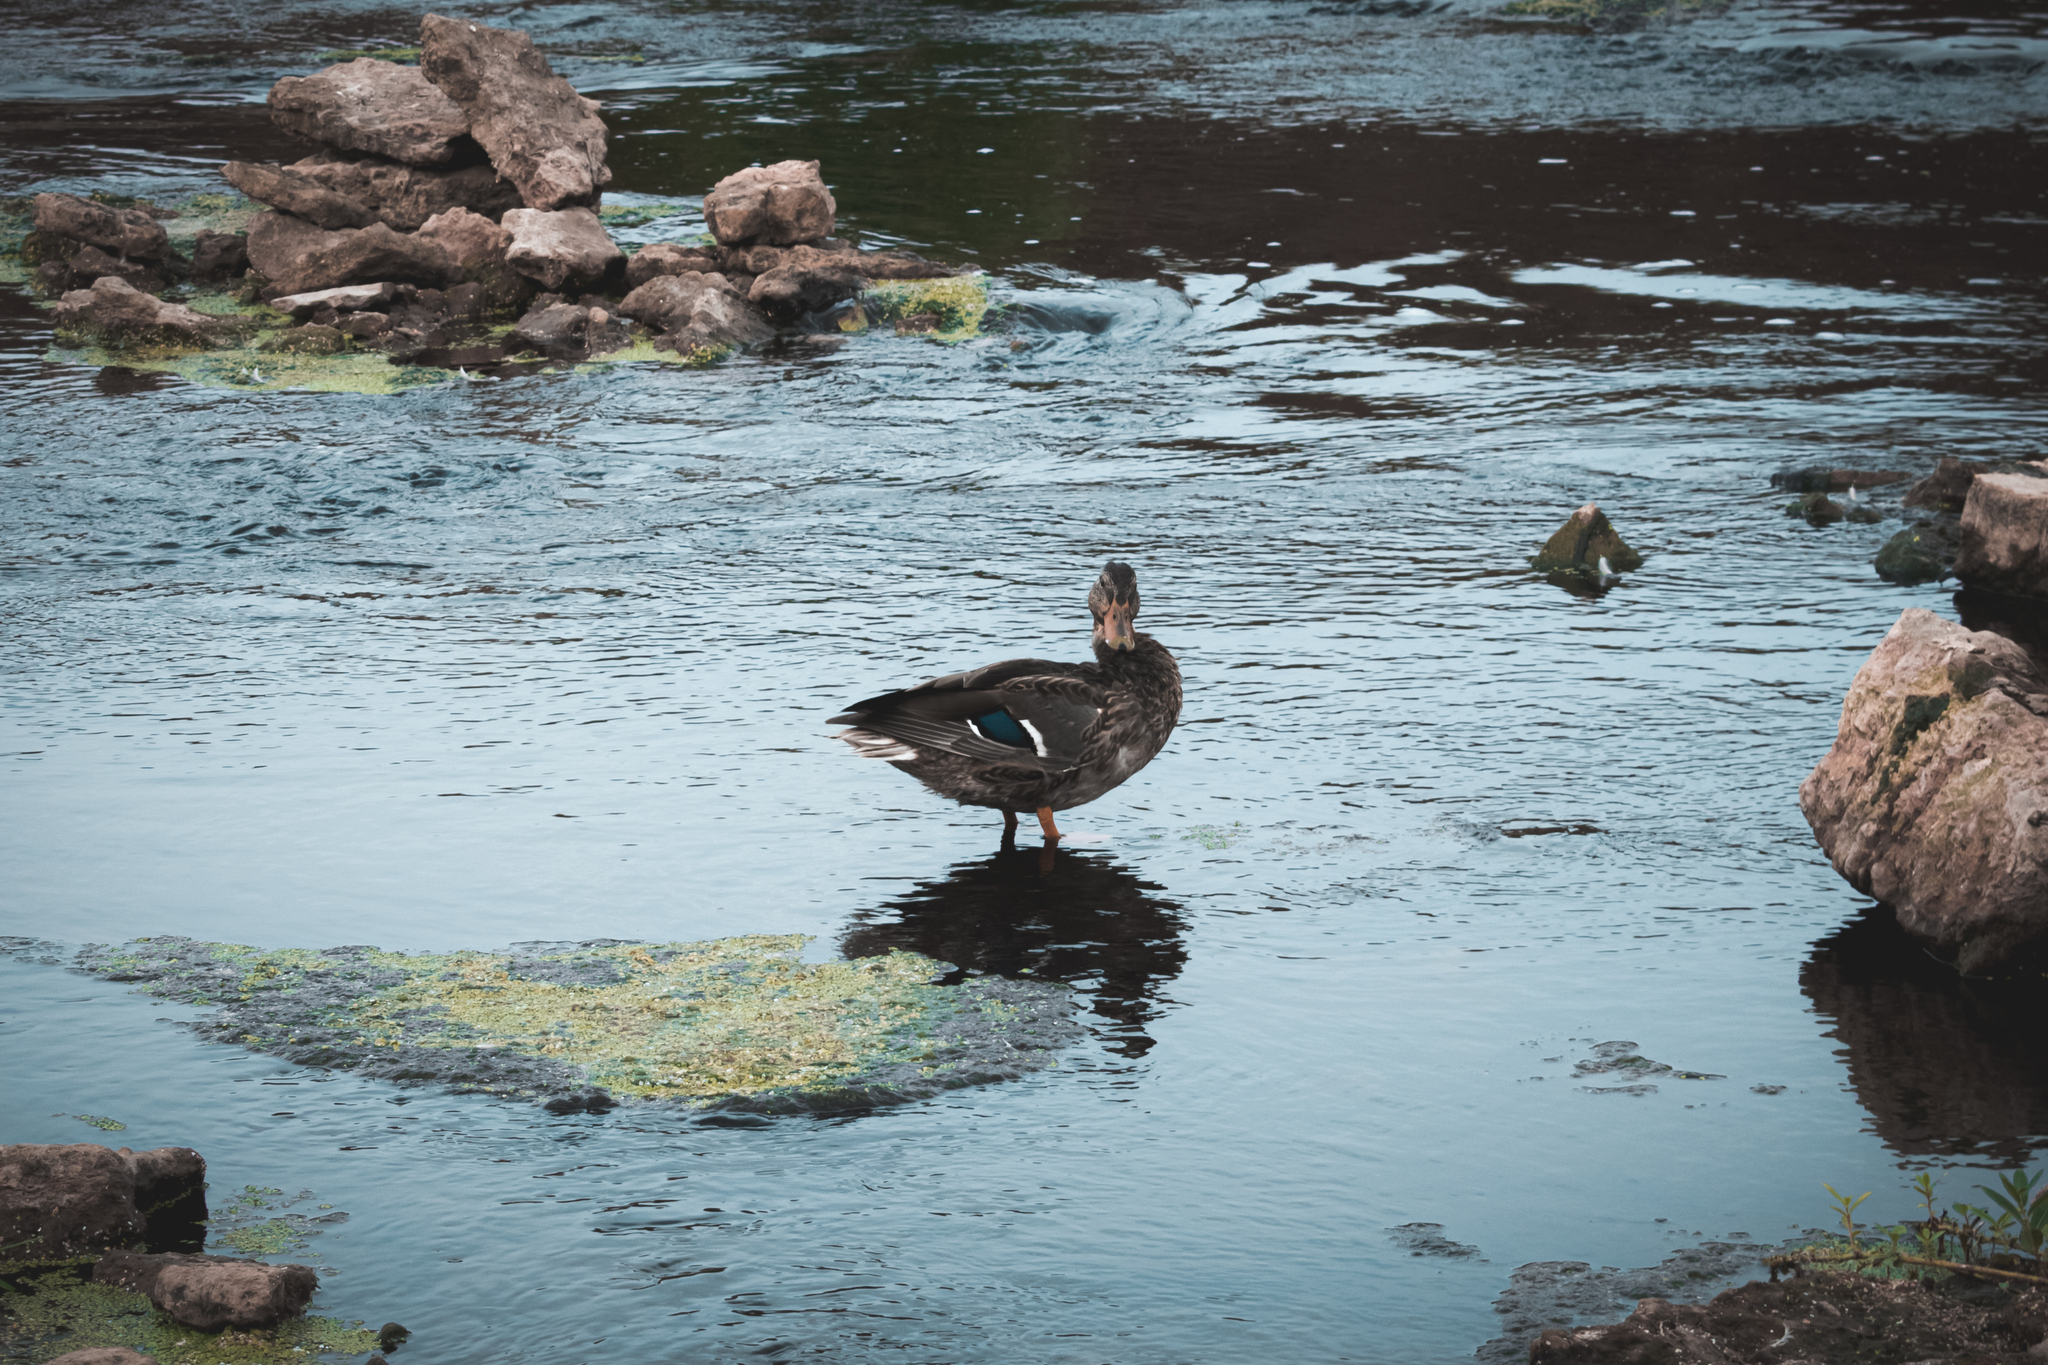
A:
348	298
737	1023
373	106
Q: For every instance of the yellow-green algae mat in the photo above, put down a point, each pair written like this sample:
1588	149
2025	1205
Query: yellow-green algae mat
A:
51	1311
735	1023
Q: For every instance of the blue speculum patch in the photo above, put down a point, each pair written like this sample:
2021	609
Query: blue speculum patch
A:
1002	727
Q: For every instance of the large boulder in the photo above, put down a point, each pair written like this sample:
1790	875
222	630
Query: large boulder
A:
373	106
566	248
540	134
297	194
296	256
695	311
1934	798
1582	542
116	313
212	1292
60	1200
405	197
124	232
778	205
2005	533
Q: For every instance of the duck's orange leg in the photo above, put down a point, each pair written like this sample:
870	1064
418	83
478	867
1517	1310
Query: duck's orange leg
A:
1052	831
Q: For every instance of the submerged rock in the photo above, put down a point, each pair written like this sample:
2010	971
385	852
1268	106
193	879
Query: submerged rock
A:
297	194
540	134
1835	480
1934	798
566	248
779	205
209	1293
1818	508
296	256
566	329
738	1023
2005	533
373	106
59	1200
127	233
1582	542
116	313
405	197
1924	552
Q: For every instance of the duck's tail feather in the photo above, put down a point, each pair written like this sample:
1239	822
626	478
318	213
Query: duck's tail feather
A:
868	744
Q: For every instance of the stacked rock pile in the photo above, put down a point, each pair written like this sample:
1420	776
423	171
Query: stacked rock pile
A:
463	189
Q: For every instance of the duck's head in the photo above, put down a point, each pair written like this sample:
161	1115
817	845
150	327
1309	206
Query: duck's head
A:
1114	600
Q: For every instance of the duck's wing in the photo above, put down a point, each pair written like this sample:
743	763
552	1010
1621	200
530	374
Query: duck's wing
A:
1029	713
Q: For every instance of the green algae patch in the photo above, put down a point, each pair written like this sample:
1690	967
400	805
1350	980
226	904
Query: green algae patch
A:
251	368
958	302
1613	13
57	1312
101	1122
733	1023
635	215
401	55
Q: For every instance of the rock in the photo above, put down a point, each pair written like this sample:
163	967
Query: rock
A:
311	339
778	205
695	310
540	134
1582	542
297	257
91	264
212	1292
373	106
1945	489
116	313
1934	798
124	232
364	326
667	258
570	328
103	1355
565	248
1922	553
219	255
60	1200
471	239
40	248
789	291
405	197
2005	533
1821	1319
1818	509
297	194
1835	480
349	298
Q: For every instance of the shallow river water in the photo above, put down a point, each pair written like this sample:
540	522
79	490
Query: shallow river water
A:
1327	316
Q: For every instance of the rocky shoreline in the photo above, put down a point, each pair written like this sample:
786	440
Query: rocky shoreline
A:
451	216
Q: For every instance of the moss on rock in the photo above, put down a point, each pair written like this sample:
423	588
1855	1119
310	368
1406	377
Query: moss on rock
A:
56	1310
958	302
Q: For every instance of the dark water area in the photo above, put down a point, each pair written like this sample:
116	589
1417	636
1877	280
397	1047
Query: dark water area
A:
1324	316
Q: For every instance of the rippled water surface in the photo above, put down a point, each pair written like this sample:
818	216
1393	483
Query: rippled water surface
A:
1322	316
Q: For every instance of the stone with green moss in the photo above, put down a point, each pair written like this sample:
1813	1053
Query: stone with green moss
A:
54	1310
731	1023
958	302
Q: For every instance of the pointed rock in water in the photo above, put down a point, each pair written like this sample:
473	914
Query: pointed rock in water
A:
373	106
2005	533
212	1292
405	197
1818	509
567	248
296	256
124	232
116	313
1582	542
779	205
540	134
1946	488
1934	798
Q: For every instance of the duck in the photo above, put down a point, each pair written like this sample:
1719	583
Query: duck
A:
1034	734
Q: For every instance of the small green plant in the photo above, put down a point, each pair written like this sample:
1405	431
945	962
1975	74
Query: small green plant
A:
2022	1220
2007	1242
1847	1207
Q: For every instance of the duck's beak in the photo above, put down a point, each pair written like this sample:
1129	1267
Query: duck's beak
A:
1116	627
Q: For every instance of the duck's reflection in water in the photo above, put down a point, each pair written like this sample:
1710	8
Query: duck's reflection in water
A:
1052	914
1947	1067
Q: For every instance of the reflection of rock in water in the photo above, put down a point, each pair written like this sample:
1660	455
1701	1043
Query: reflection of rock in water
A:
1074	917
1946	1066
